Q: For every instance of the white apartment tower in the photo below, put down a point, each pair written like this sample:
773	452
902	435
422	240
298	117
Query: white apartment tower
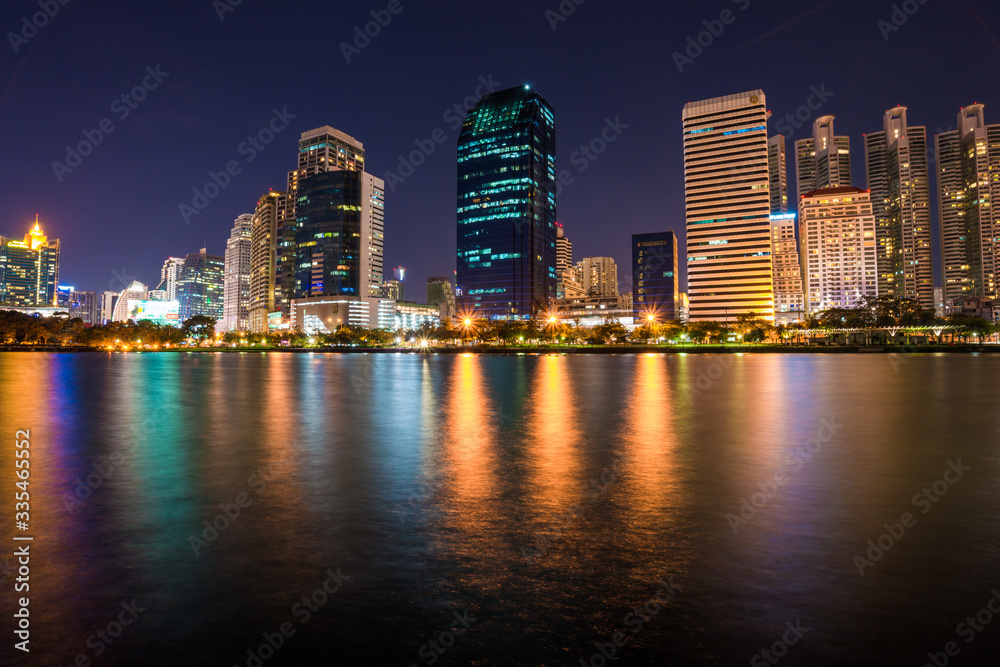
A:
598	276
837	248
823	161
900	193
788	294
728	207
236	279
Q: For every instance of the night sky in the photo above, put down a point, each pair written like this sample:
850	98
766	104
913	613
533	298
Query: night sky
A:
117	212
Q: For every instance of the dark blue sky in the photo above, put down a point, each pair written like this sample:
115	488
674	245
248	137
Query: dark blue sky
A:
117	212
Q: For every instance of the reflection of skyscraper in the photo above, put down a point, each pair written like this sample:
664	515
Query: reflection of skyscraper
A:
29	269
968	185
900	193
655	279
507	205
200	288
728	208
236	296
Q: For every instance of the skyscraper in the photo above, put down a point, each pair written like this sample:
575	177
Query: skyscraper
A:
201	287
728	207
655	279
441	292
777	170
135	291
506	235
169	275
838	250
86	306
900	193
598	275
263	259
788	290
29	269
564	258
823	161
236	291
968	184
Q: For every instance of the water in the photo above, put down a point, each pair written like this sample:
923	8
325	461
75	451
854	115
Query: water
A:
545	497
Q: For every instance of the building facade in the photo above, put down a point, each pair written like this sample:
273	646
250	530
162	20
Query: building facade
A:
838	248
777	170
29	269
897	165
201	286
728	207
441	293
824	160
598	276
564	258
86	306
236	289
655	278
169	275
506	209
788	290
135	291
263	260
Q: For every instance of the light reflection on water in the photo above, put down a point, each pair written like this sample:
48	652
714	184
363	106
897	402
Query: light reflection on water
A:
546	495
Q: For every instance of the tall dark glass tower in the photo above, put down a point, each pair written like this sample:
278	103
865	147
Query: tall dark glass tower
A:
654	277
507	206
328	235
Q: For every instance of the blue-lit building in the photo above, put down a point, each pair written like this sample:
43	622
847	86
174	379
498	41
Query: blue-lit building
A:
506	264
201	285
655	280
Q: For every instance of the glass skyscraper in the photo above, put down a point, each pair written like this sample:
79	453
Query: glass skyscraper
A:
29	269
506	264
655	279
200	288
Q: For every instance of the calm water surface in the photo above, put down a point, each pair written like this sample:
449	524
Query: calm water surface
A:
545	497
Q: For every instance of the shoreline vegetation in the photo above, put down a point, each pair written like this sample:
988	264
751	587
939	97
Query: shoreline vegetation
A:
879	324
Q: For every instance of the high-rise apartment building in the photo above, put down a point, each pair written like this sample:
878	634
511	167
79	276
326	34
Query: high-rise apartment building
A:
900	194
837	248
263	259
392	289
169	275
441	293
506	236
824	160
598	276
564	258
777	171
201	285
968	184
236	291
86	306
728	207
655	278
29	269
788	291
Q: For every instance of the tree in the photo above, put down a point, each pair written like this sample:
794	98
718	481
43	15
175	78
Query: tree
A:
199	327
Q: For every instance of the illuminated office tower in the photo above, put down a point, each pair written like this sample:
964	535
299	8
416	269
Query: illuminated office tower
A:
728	207
236	292
201	286
506	209
823	161
900	194
263	259
777	171
968	184
86	306
392	289
564	258
837	248
787	275
598	276
29	269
